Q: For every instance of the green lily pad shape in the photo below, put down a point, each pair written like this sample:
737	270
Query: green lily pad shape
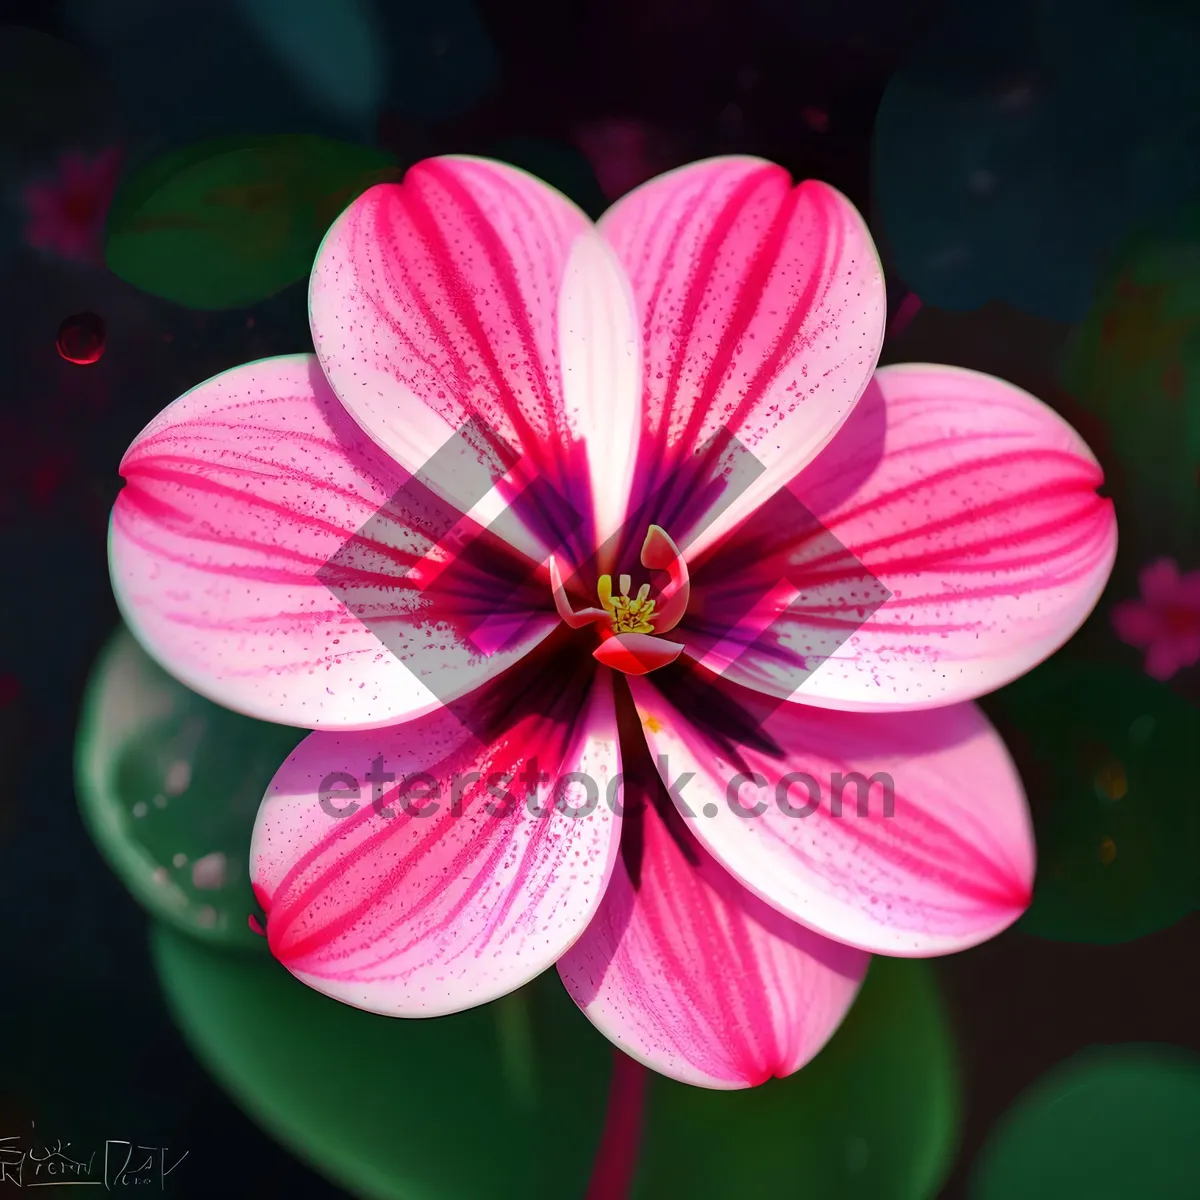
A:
1135	363
227	223
874	1115
1109	758
169	785
505	1100
1113	1122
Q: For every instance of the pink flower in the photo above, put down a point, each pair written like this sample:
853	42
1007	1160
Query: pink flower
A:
1165	622
67	213
721	948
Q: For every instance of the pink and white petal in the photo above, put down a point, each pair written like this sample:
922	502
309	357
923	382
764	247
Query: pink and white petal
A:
435	303
601	366
968	504
762	311
236	498
947	864
691	975
420	899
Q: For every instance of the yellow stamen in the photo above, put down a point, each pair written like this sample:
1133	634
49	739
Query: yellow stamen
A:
632	616
604	590
628	615
638	613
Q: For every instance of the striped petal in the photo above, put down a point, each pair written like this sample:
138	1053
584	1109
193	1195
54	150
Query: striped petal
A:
435	307
693	976
762	310
460	877
955	539
237	560
902	833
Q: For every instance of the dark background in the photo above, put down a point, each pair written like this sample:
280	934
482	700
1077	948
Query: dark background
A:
85	1040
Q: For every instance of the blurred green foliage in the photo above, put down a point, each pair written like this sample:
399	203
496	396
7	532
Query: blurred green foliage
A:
505	1100
1112	1123
227	223
1135	363
1110	760
874	1115
169	785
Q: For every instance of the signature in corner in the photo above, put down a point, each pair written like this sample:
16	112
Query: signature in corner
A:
124	1164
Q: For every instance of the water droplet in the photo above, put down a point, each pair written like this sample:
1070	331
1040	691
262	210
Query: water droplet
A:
1142	730
179	775
140	809
81	338
981	182
209	873
180	859
1110	781
857	1154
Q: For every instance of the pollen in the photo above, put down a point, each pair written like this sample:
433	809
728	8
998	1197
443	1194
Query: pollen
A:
653	724
629	614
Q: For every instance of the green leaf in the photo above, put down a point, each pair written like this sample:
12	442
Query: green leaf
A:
169	785
228	223
874	1115
1113	1122
505	1100
1109	759
1135	363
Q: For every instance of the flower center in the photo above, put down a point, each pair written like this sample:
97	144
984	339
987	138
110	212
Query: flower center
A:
628	616
629	625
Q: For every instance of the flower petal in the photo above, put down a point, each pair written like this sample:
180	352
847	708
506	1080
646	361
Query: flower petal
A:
435	303
439	889
967	504
602	379
901	833
762	309
693	976
236	499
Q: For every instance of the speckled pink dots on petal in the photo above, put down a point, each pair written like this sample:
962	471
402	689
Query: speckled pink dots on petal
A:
464	816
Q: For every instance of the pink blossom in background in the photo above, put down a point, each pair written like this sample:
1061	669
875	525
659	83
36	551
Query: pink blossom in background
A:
717	949
623	153
66	213
1165	622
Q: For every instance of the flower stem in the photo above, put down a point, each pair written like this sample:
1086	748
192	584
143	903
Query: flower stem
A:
616	1159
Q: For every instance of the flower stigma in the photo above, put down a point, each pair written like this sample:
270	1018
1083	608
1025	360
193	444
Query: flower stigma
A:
629	624
628	616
